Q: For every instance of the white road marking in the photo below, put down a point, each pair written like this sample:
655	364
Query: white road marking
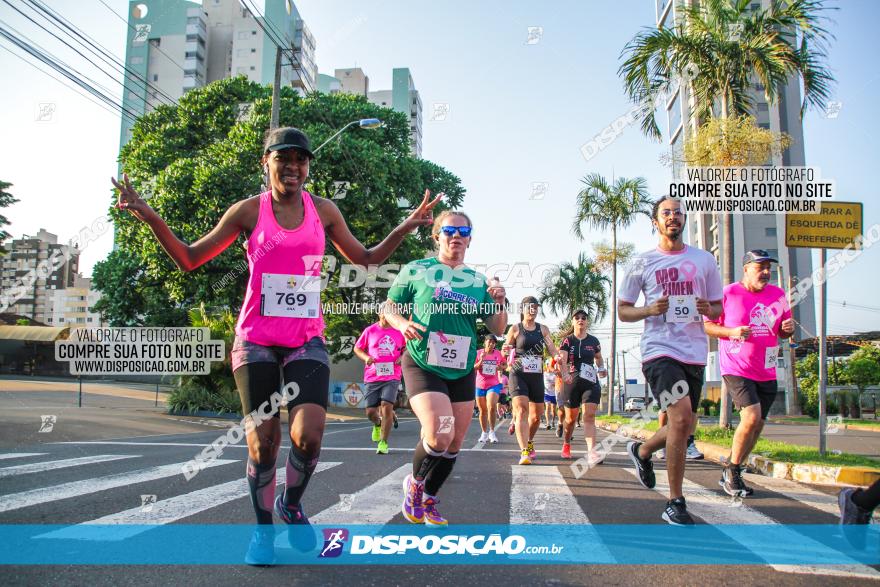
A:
20	455
166	511
799	492
60	464
76	488
540	495
376	503
716	509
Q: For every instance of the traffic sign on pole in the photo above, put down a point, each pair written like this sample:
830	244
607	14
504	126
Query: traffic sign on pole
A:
834	227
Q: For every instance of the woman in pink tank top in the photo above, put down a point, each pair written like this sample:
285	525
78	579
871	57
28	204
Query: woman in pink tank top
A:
279	334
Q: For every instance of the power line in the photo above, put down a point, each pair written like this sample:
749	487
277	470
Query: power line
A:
77	51
69	72
76	89
97	49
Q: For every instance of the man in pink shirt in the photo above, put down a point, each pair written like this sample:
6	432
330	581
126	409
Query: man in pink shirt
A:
380	347
755	314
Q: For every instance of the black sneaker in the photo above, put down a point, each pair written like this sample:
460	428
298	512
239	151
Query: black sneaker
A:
850	513
644	467
676	513
395	421
731	482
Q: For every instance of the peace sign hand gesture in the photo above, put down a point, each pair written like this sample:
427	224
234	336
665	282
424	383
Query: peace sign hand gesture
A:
423	215
130	200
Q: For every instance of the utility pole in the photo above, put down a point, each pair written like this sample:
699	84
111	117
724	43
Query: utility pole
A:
276	91
623	379
792	407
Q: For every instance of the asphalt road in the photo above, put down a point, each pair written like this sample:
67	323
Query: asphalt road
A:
93	470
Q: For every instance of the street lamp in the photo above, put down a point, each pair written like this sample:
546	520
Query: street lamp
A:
363	123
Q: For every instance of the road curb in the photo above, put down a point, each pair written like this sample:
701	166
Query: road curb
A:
819	474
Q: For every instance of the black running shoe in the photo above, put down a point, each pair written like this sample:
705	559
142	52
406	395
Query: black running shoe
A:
395	421
732	482
644	467
676	513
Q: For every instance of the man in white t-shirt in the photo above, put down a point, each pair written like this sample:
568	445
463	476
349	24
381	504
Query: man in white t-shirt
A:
681	284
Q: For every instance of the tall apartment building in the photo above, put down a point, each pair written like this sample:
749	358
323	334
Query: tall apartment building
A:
177	45
750	231
44	266
70	306
402	97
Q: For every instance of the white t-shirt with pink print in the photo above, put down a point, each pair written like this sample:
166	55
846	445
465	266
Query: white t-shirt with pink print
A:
688	272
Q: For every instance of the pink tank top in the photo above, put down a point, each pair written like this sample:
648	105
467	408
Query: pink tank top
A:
277	252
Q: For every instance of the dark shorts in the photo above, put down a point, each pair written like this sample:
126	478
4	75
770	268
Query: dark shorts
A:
529	385
662	375
581	391
381	391
419	380
747	392
261	371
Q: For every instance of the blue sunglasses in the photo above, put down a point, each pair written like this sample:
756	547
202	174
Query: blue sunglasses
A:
464	231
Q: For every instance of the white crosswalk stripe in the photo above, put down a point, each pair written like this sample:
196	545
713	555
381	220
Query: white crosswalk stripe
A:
60	464
169	510
802	493
376	503
77	488
717	510
540	495
20	455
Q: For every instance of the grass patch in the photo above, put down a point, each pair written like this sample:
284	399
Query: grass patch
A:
783	451
772	449
618	419
875	424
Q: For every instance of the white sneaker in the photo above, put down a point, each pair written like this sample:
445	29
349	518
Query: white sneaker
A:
492	438
594	458
484	437
693	453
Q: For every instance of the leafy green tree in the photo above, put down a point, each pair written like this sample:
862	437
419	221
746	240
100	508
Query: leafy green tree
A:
196	159
603	206
6	200
578	285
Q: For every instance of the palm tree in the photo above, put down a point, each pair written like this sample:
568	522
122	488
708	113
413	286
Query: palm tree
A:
601	206
578	285
718	49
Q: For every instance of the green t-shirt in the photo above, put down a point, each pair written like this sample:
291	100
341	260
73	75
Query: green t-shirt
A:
448	303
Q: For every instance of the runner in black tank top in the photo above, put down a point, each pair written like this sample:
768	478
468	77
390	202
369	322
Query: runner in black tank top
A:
586	367
526	376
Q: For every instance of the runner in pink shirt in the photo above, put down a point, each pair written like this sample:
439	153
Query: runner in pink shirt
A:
279	334
488	366
380	348
754	316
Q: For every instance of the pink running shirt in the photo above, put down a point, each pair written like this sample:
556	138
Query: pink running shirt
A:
763	312
274	252
384	345
496	359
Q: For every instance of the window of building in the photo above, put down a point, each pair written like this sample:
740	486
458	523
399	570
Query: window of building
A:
765	125
770	231
253	32
253	68
155	77
763	107
253	50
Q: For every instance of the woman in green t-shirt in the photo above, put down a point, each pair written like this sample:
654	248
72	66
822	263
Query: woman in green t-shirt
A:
435	303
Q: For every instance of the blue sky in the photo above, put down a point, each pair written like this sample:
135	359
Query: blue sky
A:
518	114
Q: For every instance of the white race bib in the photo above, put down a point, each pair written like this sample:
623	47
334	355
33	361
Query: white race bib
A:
531	364
489	368
290	296
772	353
588	372
448	350
682	310
383	369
